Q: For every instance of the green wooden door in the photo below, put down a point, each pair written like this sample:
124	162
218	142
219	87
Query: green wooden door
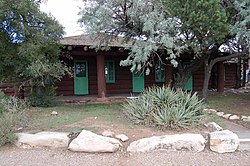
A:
138	81
81	86
189	84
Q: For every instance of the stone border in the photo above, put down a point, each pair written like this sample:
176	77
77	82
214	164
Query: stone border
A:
228	116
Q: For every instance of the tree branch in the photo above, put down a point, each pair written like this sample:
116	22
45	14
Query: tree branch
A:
235	55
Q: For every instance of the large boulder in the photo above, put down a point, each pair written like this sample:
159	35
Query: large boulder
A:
88	141
223	141
42	139
193	142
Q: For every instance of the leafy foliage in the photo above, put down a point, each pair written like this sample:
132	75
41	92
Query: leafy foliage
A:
165	108
241	26
29	43
143	23
175	26
42	96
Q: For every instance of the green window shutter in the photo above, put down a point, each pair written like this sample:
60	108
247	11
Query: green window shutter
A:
110	71
159	73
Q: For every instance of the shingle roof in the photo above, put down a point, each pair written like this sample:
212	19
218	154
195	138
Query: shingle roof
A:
87	40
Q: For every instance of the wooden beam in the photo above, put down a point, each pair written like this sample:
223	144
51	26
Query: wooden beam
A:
221	76
101	81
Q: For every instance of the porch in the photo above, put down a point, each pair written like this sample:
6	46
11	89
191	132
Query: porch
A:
94	98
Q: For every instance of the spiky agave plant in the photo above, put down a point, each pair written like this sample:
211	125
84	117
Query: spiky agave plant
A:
139	109
166	108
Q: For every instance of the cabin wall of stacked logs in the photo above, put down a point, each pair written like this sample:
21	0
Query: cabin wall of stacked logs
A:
123	76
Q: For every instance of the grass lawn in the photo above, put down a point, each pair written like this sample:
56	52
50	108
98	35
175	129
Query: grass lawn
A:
94	116
238	104
40	118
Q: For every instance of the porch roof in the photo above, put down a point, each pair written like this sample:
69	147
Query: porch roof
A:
87	40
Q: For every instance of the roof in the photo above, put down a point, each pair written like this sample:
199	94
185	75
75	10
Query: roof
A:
87	40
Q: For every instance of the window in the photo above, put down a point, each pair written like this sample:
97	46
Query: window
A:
159	73
110	71
80	69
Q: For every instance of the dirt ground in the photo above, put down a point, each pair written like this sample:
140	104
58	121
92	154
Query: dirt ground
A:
10	155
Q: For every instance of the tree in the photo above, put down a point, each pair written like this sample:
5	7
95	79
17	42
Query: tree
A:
237	40
194	27
142	22
29	44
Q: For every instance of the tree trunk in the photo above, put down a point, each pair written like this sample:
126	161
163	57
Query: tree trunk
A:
186	71
207	75
208	68
181	80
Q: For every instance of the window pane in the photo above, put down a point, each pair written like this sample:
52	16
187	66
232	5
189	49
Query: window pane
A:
80	69
110	71
159	73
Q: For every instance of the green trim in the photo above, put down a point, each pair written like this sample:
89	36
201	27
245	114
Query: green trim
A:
159	73
138	81
110	71
189	84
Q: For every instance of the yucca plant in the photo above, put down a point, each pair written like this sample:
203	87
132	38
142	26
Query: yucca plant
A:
166	108
139	109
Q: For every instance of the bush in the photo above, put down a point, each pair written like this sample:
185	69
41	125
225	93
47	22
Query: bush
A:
42	97
11	115
165	108
2	96
8	122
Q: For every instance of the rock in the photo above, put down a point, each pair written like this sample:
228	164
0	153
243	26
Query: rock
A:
19	129
234	117
223	141
210	111
193	142
212	126
108	133
226	116
247	119
54	113
88	141
220	114
205	134
122	137
42	139
243	117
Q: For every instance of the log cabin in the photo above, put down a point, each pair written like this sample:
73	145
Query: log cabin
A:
99	72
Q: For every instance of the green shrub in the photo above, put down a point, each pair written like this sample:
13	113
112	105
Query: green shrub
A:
2	97
8	122
165	108
12	115
42	97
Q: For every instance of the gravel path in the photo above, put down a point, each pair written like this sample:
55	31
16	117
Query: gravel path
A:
12	156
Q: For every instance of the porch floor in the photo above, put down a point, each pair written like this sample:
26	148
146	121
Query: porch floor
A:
94	98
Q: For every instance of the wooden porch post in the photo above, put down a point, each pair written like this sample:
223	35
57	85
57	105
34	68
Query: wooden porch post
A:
221	75
101	81
168	74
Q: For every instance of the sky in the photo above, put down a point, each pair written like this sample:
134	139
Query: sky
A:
65	11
